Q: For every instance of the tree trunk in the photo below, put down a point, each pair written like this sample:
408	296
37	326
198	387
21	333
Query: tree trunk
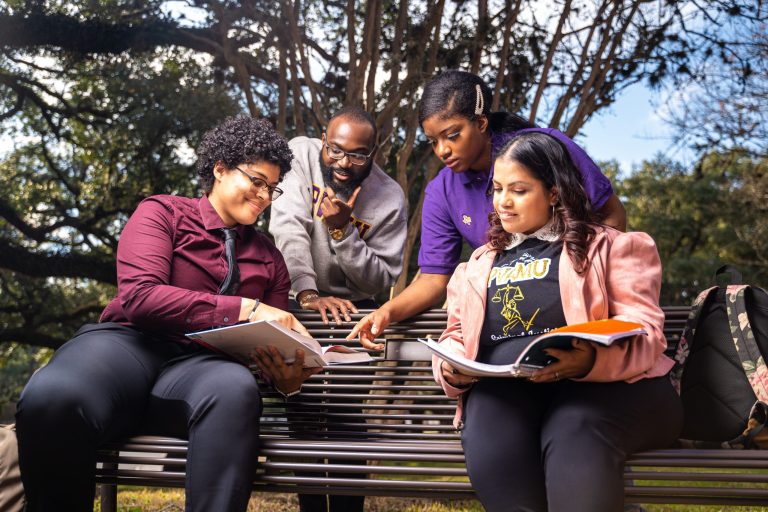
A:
544	77
373	39
395	89
298	42
414	228
504	56
476	55
298	101
354	80
282	91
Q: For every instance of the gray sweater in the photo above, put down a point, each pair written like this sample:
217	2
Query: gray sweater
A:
370	256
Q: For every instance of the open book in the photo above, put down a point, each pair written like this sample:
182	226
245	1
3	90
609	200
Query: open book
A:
240	340
533	356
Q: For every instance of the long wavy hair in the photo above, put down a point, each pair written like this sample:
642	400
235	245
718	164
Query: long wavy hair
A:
549	162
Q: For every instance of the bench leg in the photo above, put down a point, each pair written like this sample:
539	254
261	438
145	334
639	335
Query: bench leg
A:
108	496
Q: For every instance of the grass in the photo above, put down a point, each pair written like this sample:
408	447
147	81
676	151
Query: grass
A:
700	508
140	499
694	483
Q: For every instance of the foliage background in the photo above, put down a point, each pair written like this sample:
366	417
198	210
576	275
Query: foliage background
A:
102	103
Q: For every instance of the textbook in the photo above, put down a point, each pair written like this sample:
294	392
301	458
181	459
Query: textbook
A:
240	340
533	357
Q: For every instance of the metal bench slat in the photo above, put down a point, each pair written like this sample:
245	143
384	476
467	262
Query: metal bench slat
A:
391	421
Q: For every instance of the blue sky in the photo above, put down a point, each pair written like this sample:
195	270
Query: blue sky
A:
630	131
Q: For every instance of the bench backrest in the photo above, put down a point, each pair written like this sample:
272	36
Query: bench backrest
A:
395	398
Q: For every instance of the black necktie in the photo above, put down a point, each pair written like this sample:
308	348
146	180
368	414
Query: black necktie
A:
232	281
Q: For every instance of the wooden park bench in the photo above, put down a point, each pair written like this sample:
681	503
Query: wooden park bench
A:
389	424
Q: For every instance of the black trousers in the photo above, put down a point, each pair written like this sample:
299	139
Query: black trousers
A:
334	503
331	503
562	446
110	381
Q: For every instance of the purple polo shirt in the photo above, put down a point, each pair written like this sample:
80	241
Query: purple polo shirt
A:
171	261
457	205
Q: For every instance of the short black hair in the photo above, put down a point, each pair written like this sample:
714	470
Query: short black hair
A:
359	115
241	140
454	92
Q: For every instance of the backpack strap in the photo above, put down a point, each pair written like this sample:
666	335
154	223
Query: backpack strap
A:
752	360
683	346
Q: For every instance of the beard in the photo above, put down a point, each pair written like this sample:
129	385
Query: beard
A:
343	189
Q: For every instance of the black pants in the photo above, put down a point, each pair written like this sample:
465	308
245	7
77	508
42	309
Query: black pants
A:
334	503
331	503
110	381
562	446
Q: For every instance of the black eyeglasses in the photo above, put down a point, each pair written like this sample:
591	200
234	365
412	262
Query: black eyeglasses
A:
260	184
354	158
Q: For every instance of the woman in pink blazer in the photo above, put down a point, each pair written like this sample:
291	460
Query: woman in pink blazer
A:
558	440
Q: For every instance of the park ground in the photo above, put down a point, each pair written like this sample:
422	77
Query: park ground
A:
163	500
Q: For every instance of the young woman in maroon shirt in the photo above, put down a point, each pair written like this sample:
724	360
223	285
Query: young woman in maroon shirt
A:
135	369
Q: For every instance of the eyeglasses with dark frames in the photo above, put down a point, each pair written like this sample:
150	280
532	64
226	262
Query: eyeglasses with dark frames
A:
260	184
354	158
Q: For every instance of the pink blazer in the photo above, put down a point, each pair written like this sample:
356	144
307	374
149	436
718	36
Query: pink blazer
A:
622	282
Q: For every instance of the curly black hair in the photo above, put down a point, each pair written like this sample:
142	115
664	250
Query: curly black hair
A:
241	140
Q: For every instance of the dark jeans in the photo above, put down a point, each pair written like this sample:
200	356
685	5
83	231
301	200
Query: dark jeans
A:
562	446
110	381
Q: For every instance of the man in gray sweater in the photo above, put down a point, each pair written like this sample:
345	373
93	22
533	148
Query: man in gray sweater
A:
341	223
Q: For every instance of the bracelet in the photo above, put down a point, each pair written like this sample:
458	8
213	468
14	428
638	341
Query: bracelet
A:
287	395
253	311
307	298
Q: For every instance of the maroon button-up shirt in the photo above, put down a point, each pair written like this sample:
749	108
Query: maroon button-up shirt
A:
171	261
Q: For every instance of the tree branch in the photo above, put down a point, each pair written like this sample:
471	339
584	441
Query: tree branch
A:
18	259
35	338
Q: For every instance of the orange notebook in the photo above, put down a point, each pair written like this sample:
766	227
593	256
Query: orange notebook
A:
601	331
533	357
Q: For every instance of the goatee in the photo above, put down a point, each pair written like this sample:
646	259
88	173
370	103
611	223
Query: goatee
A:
343	189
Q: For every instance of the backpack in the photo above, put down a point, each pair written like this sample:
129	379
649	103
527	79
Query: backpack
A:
720	371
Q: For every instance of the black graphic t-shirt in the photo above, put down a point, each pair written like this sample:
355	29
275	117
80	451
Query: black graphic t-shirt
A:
523	300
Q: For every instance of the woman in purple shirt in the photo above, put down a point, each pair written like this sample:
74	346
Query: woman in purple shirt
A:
455	115
183	265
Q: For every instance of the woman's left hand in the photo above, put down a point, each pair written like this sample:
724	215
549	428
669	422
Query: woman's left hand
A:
571	364
287	377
